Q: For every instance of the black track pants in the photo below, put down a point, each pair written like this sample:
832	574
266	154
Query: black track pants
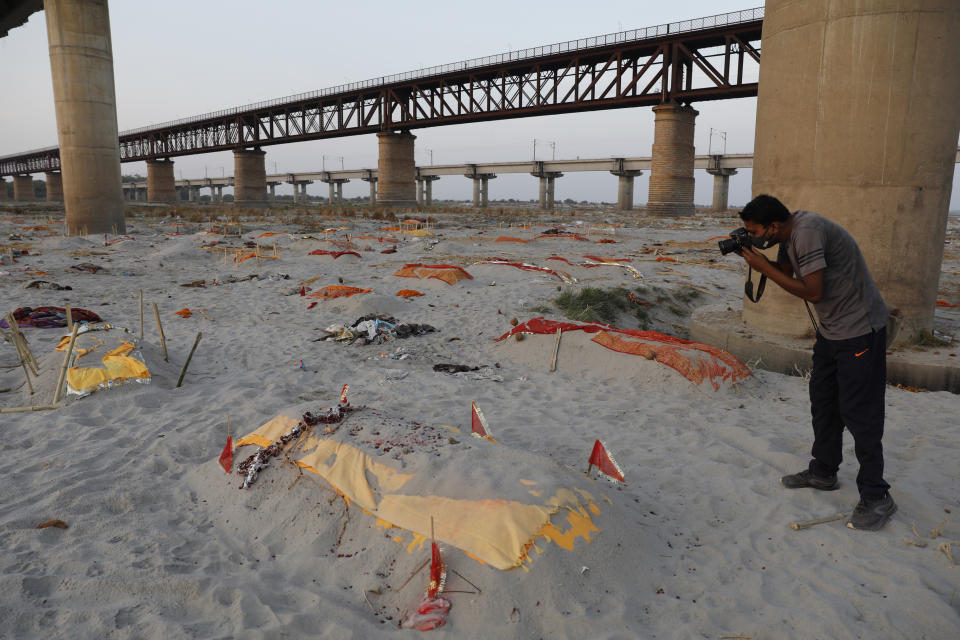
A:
847	386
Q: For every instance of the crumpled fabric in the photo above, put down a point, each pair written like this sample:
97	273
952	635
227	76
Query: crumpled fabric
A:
430	614
46	284
375	329
49	317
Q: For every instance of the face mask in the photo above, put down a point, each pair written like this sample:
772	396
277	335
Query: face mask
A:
762	242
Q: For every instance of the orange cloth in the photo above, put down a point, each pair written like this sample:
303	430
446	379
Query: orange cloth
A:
944	303
694	361
184	313
409	293
510	239
446	272
337	291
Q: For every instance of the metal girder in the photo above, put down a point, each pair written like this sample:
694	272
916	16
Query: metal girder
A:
711	63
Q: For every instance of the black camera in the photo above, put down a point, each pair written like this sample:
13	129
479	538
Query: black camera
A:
739	238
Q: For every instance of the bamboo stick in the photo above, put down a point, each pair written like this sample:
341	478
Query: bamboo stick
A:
163	339
66	361
44	407
141	314
23	348
69	313
189	357
798	526
556	350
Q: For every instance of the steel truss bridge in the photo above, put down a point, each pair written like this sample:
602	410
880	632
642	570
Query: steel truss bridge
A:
710	58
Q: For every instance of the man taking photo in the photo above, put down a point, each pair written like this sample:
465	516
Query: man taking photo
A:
820	262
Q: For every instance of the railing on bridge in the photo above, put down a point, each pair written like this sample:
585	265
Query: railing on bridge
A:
638	67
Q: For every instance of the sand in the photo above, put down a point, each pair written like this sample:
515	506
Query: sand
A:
161	543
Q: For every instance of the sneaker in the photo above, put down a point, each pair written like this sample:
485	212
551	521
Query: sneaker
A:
806	479
870	515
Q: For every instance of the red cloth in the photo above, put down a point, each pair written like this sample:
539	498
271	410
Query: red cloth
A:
436	571
335	254
226	456
604	462
695	361
477	424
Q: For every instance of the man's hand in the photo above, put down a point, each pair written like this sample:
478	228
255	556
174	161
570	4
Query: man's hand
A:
757	261
809	288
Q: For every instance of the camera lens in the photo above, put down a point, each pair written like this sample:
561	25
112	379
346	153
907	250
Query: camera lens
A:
728	245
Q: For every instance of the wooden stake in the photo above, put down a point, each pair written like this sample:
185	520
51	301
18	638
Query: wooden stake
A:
34	408
141	314
187	363
163	339
69	314
798	526
556	350
23	349
63	369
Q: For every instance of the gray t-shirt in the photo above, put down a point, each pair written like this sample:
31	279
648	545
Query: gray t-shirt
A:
851	305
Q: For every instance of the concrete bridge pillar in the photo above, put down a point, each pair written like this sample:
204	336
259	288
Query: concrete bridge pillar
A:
481	189
3	190
340	190
428	189
396	169
625	188
372	179
303	190
81	64
721	186
273	191
250	177
671	174
419	192
875	152
23	188
139	194
192	193
219	197
547	187
54	186
160	184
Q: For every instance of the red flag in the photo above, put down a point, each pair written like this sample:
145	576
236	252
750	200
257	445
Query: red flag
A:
604	462
303	291
226	456
438	573
478	424
343	394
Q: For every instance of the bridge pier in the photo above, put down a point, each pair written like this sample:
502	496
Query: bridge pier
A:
161	186
54	186
481	188
193	193
547	179
625	187
23	188
3	189
372	179
272	197
396	169
838	153
721	184
81	64
671	174
428	189
250	178
299	194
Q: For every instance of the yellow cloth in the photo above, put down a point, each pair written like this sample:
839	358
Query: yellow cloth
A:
118	366
496	530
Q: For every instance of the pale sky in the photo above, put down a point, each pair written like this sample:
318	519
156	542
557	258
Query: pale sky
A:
175	59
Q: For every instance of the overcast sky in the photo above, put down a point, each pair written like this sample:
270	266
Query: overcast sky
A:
175	59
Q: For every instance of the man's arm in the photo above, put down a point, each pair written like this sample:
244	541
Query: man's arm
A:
809	288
